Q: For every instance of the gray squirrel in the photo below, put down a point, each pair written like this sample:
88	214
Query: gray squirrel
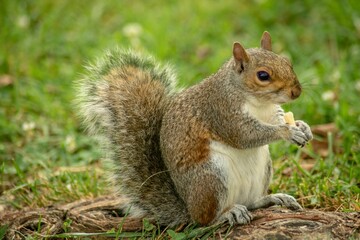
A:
196	155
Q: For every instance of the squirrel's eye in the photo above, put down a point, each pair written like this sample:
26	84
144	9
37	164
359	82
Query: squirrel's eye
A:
263	76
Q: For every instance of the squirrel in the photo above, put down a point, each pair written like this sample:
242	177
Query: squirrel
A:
198	155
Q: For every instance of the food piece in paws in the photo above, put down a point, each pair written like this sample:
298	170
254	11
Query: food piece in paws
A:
289	118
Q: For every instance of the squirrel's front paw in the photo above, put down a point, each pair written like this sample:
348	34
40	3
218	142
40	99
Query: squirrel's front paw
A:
304	127
285	200
297	136
279	116
238	214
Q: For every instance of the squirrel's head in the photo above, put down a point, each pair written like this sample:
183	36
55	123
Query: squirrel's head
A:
264	74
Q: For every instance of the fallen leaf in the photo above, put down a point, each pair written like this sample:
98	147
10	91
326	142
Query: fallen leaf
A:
324	129
307	165
320	143
6	80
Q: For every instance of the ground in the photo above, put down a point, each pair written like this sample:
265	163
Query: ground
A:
46	158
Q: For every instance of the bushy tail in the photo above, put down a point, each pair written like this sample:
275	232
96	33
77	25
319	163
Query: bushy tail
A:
123	98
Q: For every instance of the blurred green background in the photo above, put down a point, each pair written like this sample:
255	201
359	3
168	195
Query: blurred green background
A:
45	156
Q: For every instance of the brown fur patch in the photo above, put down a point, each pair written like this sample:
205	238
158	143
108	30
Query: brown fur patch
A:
197	147
204	202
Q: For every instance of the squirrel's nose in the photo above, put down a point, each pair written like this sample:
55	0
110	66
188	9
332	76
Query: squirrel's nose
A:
295	92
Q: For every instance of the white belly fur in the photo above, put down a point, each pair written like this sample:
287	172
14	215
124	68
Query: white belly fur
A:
244	172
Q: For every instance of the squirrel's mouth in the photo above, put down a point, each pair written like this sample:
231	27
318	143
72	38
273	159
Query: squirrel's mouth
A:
283	99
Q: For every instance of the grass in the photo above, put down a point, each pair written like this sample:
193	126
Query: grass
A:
151	231
46	158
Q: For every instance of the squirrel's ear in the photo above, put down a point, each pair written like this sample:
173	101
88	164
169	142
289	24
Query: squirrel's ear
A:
266	41
239	53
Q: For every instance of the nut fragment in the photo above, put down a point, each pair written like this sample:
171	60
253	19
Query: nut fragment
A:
289	118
